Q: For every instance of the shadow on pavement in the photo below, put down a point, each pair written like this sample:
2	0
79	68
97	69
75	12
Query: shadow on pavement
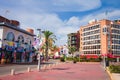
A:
61	68
34	63
18	74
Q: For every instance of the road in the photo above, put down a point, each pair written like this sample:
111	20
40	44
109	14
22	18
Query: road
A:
21	67
6	69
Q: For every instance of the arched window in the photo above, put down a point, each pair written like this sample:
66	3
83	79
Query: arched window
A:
28	41
10	36
20	39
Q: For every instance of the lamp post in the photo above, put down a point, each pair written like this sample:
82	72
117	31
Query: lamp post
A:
39	52
104	61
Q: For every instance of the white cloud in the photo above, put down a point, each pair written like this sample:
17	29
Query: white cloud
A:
66	30
73	21
74	5
50	22
112	15
62	40
53	5
30	15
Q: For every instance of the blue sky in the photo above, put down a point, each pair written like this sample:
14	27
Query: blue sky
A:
59	16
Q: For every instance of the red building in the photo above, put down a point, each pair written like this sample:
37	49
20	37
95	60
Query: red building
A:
74	40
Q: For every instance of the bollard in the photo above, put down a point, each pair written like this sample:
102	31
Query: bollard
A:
56	64
12	72
49	66
53	65
28	69
44	66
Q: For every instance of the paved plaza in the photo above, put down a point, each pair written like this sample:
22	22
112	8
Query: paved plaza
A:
64	71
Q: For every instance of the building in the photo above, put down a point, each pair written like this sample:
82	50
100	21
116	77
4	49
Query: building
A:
74	40
63	50
100	38
15	43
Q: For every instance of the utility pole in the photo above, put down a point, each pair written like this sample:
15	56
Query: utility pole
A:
104	62
39	30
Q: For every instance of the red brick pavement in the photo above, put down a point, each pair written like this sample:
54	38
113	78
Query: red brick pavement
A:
67	71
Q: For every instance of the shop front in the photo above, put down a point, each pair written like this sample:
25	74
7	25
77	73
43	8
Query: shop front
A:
15	43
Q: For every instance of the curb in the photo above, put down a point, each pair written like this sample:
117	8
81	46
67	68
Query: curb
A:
110	74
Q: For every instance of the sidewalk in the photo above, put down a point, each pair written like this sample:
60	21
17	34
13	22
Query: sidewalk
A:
64	71
113	76
116	76
28	63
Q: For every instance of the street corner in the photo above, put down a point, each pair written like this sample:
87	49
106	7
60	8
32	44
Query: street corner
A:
110	74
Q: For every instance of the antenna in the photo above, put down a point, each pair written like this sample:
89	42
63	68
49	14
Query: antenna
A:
106	14
6	12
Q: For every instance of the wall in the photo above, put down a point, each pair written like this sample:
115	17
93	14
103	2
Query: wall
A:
104	40
1	35
6	30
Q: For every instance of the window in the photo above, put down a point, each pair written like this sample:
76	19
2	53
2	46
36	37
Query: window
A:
10	36
69	37
20	39
73	42
28	41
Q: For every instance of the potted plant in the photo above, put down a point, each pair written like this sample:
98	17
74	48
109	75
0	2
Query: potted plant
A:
63	58
74	60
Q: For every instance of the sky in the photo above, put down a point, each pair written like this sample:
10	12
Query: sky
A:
58	16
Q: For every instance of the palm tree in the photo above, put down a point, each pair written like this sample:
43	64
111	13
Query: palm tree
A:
43	50
54	49
72	49
49	40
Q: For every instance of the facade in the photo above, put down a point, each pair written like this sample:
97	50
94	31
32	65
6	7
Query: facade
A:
63	50
15	43
73	40
100	38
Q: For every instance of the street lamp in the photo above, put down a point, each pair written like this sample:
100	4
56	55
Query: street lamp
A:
104	61
39	53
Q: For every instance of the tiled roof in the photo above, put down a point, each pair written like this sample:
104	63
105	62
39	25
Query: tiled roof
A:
4	24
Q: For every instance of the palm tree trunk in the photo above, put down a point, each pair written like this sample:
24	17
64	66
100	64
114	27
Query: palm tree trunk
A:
46	52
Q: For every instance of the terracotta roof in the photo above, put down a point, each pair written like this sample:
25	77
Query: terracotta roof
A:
4	24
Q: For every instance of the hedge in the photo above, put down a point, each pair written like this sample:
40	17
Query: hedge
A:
84	59
114	68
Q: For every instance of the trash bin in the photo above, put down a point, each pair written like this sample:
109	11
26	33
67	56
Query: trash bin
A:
107	63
